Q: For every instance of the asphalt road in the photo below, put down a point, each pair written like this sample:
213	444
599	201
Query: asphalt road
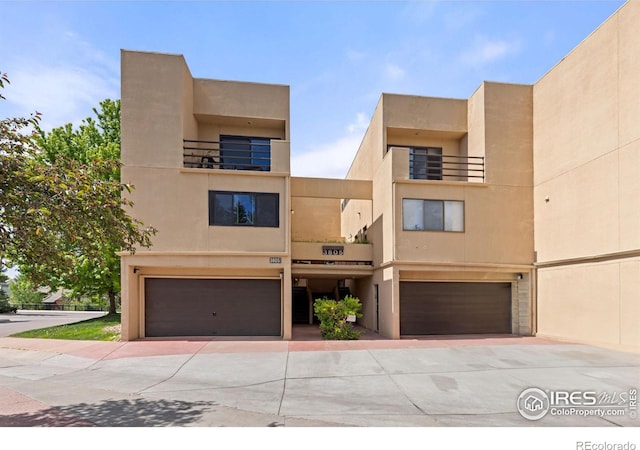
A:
25	320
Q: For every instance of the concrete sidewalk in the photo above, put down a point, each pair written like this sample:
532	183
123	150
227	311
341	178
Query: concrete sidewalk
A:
470	381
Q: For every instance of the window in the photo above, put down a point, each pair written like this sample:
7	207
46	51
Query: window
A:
425	163
249	209
432	215
245	153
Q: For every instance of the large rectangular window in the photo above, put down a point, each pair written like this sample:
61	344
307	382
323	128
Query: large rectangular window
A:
245	153
252	209
432	215
425	163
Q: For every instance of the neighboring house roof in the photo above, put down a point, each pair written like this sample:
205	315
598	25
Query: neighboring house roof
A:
54	297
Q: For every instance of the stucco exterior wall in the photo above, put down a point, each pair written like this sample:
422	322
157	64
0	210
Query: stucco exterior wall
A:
162	105
425	113
215	98
316	208
600	298
587	189
315	219
498	214
388	290
177	205
198	265
557	214
370	151
586	145
496	124
383	207
152	109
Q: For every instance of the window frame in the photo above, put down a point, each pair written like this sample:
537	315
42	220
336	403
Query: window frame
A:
443	202
247	149
432	164
255	196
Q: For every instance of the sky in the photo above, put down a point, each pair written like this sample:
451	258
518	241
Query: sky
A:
338	57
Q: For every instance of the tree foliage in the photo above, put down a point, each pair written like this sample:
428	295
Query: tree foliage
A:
62	215
24	292
4	298
333	317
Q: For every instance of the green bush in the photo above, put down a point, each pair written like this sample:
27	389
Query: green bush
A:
5	307
333	317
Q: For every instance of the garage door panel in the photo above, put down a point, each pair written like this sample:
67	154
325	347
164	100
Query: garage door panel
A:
200	307
455	308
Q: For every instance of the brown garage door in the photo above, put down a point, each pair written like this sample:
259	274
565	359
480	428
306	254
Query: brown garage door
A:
455	308
190	307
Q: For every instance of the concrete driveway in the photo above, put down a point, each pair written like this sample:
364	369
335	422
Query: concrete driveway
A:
426	383
25	320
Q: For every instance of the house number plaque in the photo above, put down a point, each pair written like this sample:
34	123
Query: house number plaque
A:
332	250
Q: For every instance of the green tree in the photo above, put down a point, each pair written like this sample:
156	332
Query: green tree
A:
4	298
23	291
62	215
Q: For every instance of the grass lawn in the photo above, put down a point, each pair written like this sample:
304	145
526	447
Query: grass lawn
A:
105	328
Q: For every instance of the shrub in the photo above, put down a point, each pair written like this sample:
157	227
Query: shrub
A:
333	317
5	307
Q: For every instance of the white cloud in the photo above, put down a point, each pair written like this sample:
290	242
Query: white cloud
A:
355	56
63	85
461	17
331	159
62	94
489	50
360	124
394	71
420	12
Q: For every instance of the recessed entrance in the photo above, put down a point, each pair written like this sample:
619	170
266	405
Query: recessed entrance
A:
307	290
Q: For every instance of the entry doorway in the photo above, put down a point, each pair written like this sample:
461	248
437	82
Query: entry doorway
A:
306	291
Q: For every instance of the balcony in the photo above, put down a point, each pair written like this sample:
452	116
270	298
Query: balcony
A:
445	167
422	164
250	154
230	154
331	253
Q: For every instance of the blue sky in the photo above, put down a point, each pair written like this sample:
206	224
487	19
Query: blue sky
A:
337	56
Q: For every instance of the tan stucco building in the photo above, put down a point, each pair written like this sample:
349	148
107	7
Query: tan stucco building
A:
514	211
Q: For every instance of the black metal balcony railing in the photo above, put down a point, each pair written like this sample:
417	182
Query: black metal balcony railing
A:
445	167
233	154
